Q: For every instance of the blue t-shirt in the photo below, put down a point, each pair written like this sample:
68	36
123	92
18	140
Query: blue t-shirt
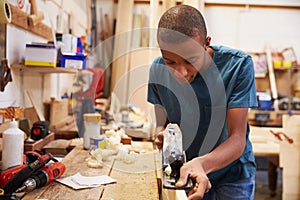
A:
199	108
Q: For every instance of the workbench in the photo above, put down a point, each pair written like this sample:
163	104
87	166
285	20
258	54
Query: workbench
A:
137	180
266	145
281	153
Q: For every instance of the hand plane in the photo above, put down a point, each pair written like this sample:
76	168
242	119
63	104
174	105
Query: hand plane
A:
173	158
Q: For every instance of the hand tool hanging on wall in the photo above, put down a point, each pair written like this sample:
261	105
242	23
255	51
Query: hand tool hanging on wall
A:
36	16
5	74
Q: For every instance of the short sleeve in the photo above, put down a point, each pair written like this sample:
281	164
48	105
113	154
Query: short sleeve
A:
153	96
244	90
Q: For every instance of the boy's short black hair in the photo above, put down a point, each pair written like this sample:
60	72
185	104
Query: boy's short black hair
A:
186	20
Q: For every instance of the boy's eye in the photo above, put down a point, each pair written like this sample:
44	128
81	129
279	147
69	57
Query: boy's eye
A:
169	62
188	62
191	60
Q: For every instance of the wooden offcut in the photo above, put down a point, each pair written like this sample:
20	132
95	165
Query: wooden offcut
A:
58	147
38	145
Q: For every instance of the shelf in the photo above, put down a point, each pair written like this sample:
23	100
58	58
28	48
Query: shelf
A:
47	70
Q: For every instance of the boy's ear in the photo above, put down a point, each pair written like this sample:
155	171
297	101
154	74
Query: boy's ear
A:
207	41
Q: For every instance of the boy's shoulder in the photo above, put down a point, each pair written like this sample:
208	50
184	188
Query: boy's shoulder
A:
224	50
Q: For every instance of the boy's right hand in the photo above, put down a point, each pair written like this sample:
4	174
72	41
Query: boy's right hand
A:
159	139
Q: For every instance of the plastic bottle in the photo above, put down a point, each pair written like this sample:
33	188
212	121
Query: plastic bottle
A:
13	146
92	124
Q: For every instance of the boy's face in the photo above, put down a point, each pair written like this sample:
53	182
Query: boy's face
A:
186	59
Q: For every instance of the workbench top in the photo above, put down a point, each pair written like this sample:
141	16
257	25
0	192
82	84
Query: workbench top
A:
137	180
263	142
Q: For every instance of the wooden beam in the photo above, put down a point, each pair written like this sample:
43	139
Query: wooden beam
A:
272	77
168	4
120	65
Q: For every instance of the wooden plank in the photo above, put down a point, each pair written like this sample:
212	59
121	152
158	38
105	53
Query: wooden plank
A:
266	149
58	147
199	4
158	169
120	65
59	111
136	180
262	134
108	27
174	194
263	142
31	115
153	21
272	77
38	145
168	4
67	121
75	162
33	102
137	85
291	126
290	158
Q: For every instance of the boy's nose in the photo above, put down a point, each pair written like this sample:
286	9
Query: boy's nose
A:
181	69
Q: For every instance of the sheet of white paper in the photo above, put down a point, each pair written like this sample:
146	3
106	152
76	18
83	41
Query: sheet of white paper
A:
78	181
69	182
92	180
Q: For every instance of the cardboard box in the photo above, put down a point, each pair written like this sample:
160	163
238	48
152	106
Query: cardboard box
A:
41	54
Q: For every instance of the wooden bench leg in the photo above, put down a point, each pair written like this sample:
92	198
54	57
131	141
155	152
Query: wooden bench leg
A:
272	174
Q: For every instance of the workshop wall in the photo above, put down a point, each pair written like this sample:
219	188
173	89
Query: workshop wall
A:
73	18
250	28
246	27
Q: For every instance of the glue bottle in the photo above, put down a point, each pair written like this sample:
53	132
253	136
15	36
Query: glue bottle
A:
13	146
92	124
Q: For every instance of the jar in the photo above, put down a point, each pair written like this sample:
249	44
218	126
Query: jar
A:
92	124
